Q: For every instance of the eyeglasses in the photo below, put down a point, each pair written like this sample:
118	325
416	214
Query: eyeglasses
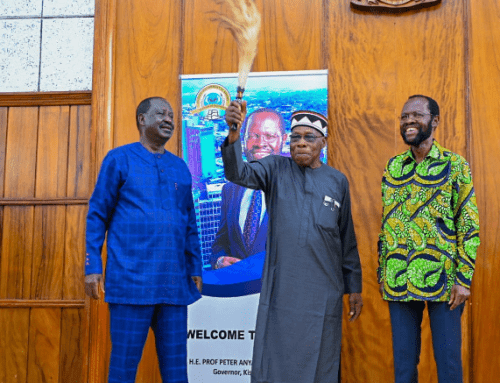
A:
307	137
266	137
416	116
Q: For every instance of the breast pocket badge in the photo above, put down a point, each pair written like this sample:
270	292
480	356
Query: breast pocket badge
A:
330	202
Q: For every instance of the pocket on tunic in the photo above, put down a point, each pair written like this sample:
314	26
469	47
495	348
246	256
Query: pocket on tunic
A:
182	190
328	216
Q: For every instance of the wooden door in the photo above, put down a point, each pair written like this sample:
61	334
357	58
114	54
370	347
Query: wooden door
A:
44	189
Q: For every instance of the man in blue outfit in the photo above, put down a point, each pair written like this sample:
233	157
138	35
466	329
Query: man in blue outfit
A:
143	201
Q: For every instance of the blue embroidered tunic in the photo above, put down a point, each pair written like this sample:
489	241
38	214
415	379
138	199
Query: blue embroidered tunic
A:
144	203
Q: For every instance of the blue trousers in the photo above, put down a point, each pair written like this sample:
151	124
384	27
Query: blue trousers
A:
406	320
129	326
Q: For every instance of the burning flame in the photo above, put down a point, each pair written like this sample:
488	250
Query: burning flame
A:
243	21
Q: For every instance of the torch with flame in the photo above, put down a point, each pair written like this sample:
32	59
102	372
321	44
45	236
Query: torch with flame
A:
243	21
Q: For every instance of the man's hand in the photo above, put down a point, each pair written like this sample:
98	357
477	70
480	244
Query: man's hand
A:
459	295
226	261
235	114
93	285
381	289
355	306
198	282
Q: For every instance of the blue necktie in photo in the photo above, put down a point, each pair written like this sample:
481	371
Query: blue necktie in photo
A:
252	221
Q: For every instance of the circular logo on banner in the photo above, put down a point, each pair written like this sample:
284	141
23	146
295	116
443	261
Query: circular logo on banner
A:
211	101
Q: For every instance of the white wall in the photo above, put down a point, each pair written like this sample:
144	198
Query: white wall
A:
46	45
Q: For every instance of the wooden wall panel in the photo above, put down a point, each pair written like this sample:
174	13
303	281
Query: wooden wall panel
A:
21	152
485	153
207	48
16	252
147	61
44	345
1	241
52	152
79	152
362	114
74	345
376	61
14	332
48	252
291	38
103	100
430	60
99	341
3	139
74	253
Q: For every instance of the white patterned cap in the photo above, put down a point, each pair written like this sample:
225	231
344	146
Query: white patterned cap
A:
311	119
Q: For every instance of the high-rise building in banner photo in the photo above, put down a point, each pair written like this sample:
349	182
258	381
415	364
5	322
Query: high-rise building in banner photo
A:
202	153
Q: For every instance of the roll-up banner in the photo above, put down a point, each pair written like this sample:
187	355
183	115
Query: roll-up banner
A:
232	221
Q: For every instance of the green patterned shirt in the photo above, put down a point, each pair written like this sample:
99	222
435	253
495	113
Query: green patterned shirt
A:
430	226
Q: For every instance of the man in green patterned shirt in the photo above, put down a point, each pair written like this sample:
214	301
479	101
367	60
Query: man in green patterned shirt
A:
428	243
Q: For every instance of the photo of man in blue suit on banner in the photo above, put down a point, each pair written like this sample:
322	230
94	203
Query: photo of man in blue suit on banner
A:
243	224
